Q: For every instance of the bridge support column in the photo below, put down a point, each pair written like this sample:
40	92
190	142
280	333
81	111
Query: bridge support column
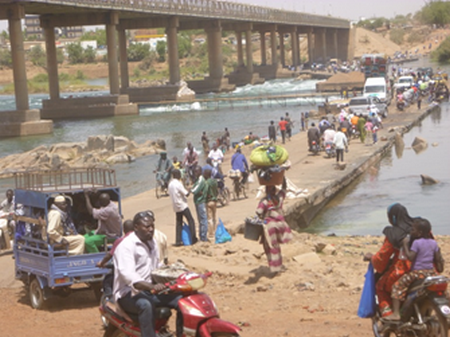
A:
297	38
124	75
282	59
18	57
240	53
172	46
52	62
273	45
294	47
249	51
310	46
324	45
214	37
335	44
345	40
113	70
22	121
262	37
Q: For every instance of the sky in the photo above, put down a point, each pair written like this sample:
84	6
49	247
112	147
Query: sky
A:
348	9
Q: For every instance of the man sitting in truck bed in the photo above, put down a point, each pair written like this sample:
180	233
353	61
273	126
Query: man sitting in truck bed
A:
109	222
61	230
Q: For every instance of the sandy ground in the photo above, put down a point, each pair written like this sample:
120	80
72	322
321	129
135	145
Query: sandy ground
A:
317	297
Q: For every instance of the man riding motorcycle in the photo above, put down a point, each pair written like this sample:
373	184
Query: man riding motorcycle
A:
313	135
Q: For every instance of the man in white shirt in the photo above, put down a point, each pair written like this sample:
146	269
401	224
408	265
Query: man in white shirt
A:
179	195
6	217
216	156
134	260
328	135
340	143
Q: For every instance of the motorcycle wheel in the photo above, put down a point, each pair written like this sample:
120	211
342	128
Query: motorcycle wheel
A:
436	323
36	295
112	331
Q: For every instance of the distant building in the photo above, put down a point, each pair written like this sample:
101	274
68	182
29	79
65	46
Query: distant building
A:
33	29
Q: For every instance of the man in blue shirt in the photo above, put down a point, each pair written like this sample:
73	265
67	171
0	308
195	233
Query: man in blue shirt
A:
239	162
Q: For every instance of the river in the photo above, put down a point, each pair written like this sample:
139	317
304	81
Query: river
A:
358	210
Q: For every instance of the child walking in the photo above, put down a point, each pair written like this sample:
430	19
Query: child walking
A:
424	255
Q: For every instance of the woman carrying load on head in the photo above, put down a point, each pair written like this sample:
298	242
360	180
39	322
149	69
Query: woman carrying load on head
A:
276	230
388	261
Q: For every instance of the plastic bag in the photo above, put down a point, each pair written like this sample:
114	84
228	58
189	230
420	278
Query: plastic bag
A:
186	235
222	235
367	304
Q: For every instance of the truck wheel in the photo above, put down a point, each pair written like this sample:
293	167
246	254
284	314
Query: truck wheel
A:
36	295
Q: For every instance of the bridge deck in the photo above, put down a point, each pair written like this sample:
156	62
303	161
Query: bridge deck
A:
207	9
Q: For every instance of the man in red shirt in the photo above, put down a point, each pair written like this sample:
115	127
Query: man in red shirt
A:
282	126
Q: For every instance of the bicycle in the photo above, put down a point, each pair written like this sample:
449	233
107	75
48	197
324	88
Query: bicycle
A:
238	187
223	197
161	186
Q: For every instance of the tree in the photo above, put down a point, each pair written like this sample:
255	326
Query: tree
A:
89	55
75	53
435	12
137	51
98	35
184	45
161	50
442	53
5	58
37	56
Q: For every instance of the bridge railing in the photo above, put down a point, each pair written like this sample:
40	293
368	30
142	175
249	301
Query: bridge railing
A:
208	8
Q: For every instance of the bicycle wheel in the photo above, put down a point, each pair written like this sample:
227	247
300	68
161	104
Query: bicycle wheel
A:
243	191
158	190
226	196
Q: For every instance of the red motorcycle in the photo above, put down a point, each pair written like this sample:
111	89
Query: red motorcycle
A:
200	314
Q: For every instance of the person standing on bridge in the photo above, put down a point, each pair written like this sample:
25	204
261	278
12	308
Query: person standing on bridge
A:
282	126
289	126
272	132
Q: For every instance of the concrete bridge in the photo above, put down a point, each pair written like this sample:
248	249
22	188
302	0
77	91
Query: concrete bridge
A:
327	37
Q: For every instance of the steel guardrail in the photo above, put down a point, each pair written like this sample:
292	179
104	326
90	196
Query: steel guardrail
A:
202	8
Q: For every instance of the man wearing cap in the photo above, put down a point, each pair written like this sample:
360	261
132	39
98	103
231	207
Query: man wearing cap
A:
134	260
61	230
109	222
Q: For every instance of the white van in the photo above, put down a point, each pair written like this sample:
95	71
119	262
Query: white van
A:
377	86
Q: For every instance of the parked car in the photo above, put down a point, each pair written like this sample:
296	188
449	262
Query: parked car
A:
404	82
360	105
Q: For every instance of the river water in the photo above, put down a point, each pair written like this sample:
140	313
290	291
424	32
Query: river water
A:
360	209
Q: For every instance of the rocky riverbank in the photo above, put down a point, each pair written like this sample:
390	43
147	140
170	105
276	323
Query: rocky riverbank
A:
95	152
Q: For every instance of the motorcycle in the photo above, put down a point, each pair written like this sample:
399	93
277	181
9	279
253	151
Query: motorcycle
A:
315	148
355	132
400	105
200	314
330	150
425	312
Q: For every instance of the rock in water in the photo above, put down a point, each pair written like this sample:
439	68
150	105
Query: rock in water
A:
419	144
427	180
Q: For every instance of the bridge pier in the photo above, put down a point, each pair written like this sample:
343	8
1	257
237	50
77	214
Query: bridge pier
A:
114	104
262	38
245	74
215	82
22	121
311	53
282	58
294	47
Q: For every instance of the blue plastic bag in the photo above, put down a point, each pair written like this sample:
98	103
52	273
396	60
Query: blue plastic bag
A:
186	235
221	233
367	304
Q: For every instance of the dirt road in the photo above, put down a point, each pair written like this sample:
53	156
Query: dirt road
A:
317	297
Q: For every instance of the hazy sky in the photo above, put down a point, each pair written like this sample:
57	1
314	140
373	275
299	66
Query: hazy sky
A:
347	9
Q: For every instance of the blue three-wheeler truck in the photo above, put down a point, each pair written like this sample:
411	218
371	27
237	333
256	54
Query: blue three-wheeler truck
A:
47	269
